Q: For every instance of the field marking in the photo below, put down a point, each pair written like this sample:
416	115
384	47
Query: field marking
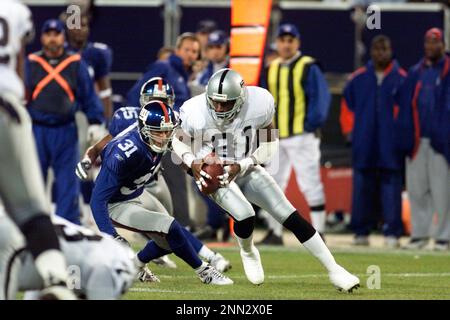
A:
137	289
325	275
359	251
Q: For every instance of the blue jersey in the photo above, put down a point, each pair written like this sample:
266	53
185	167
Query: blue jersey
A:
98	56
122	119
128	164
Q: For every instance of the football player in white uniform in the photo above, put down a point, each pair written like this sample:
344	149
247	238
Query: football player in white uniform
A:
21	183
99	266
229	119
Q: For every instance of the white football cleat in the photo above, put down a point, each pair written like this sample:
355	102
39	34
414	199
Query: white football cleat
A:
343	280
146	275
252	266
210	275
220	263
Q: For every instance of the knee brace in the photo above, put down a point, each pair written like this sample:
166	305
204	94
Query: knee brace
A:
243	229
301	228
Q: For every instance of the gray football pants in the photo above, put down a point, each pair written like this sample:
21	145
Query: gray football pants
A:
144	214
254	186
428	186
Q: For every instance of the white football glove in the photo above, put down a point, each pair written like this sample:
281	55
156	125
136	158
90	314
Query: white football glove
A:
83	167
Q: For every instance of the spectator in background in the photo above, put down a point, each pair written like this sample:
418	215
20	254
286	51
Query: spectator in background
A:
98	57
57	84
216	57
164	53
302	97
368	112
176	70
204	28
424	136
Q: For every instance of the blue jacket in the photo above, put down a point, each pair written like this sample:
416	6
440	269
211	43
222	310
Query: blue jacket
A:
368	111
318	97
173	72
419	100
127	164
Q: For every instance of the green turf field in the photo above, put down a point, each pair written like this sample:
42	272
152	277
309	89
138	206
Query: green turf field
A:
294	274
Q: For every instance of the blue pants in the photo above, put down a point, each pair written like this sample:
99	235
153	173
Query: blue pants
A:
58	148
367	184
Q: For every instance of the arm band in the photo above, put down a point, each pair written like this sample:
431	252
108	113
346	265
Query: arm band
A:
105	93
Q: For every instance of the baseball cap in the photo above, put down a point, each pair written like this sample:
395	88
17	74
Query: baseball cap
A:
206	26
435	33
52	24
288	28
217	37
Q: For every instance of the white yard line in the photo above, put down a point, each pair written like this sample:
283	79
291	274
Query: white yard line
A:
134	289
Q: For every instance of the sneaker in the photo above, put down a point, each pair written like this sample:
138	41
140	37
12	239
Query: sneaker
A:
146	275
441	245
57	292
210	275
360	241
343	280
391	242
220	263
252	266
165	262
416	244
271	239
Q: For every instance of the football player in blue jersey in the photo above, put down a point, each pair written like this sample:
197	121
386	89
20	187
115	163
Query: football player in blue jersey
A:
129	162
125	120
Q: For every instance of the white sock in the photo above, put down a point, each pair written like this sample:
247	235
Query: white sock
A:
206	253
318	249
52	267
202	266
318	219
245	244
138	262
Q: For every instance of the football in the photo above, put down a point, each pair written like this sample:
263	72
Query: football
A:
212	166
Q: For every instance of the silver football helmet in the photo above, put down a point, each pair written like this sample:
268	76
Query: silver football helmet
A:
226	86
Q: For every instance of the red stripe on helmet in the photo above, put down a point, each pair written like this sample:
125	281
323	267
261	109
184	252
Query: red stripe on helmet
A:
166	113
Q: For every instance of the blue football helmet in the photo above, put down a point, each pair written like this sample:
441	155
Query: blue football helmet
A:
155	118
157	89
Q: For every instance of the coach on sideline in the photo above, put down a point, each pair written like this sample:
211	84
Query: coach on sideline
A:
57	82
302	97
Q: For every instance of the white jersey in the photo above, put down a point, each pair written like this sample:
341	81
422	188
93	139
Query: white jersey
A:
235	140
104	266
15	25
